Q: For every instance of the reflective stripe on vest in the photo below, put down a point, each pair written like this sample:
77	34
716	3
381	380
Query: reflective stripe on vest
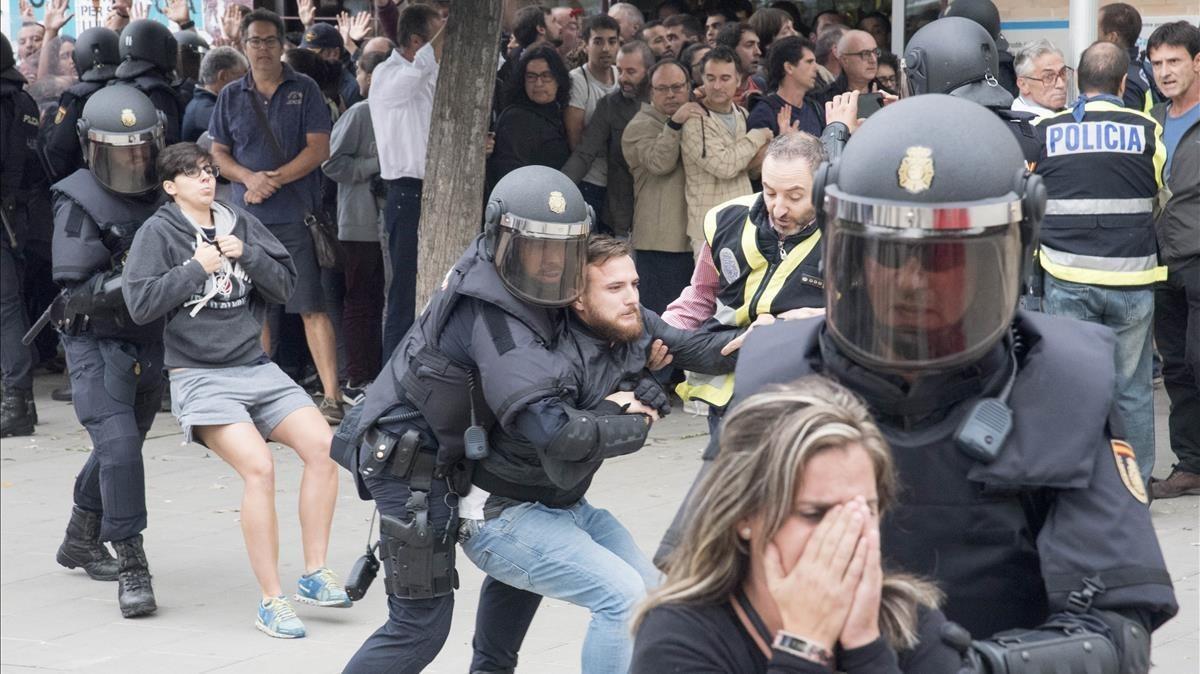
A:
1099	206
1102	271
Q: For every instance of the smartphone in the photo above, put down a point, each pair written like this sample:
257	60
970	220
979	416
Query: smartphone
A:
869	104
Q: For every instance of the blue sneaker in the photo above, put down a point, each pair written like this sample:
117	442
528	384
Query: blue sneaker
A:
322	588
277	618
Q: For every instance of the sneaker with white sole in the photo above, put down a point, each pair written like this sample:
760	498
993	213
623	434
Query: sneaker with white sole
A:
277	618
321	588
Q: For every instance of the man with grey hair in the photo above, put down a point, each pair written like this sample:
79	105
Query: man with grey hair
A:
826	52
602	137
629	18
782	273
1042	78
220	66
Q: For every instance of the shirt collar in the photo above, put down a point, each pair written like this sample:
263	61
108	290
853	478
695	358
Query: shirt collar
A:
288	75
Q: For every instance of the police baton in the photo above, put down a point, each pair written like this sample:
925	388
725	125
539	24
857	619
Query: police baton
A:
38	326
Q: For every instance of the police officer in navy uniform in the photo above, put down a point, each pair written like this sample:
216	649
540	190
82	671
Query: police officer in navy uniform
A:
148	59
115	365
24	202
1047	557
957	56
97	56
409	436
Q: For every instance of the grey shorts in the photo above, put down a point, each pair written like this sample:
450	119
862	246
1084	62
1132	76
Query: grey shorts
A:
260	394
308	297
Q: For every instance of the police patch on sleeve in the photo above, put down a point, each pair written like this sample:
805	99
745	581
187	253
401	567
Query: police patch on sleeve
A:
58	116
729	265
1127	468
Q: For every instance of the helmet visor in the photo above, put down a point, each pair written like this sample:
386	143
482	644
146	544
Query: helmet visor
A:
125	163
907	300
542	269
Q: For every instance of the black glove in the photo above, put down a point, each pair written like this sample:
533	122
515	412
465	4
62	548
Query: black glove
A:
651	394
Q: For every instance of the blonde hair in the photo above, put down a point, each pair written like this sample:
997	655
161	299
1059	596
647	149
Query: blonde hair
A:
766	442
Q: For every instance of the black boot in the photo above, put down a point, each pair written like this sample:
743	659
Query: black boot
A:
135	595
82	547
15	417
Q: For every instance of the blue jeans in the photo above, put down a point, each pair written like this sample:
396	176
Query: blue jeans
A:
579	554
1130	314
401	220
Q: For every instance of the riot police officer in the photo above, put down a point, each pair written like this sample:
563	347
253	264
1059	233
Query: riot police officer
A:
148	58
985	13
957	56
115	365
192	49
930	217
97	56
24	200
407	442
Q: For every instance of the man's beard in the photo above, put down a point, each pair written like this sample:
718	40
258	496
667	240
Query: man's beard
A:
618	333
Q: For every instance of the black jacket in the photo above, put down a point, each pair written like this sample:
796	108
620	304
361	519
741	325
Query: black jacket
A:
528	134
24	192
198	113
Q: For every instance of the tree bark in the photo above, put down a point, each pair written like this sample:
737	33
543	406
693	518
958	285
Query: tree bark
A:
452	198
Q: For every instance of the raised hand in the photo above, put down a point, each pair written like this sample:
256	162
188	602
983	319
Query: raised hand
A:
56	16
139	10
360	26
784	119
231	24
177	11
307	9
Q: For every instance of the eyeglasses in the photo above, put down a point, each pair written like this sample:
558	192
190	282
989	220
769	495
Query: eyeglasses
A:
262	42
866	53
670	88
533	78
887	81
1048	79
196	171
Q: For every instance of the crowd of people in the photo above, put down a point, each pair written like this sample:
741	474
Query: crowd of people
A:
235	225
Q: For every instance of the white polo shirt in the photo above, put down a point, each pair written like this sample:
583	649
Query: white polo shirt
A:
401	102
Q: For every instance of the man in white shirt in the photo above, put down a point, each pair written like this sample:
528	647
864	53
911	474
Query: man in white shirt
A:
590	82
401	103
1042	78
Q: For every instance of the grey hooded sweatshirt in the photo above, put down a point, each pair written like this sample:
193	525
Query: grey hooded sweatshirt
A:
213	320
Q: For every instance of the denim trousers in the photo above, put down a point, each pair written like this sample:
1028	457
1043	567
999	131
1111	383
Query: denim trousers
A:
579	554
1130	314
401	219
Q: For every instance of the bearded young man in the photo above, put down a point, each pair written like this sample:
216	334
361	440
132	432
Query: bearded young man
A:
527	504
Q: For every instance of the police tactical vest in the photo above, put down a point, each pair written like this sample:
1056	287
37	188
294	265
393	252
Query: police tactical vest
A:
973	527
1102	175
117	218
757	276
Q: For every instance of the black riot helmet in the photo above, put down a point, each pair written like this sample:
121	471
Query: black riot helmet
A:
146	46
954	56
97	54
7	59
930	216
122	134
192	49
537	226
982	12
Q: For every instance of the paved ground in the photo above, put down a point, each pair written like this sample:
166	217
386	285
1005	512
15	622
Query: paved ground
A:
52	619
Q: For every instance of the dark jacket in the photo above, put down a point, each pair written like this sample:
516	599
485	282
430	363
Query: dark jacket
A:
602	139
24	192
765	114
1007	541
164	97
528	134
197	115
213	320
1178	224
60	133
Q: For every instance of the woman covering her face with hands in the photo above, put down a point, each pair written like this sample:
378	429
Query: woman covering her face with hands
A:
779	570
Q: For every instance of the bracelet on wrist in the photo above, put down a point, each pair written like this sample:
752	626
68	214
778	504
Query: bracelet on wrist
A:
673	124
187	25
802	648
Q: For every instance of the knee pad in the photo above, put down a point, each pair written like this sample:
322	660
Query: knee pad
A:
418	562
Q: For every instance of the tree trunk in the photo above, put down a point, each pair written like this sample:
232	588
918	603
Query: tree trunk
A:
452	199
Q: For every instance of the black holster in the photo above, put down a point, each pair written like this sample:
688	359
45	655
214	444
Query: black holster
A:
418	563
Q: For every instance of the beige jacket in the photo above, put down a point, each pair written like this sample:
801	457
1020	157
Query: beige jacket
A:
714	162
651	149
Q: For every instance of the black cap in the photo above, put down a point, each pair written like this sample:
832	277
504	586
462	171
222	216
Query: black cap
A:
322	36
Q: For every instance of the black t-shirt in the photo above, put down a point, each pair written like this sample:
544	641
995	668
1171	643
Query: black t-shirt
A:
710	639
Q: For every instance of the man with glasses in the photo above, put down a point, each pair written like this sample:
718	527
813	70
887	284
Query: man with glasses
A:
1042	78
651	148
859	59
273	170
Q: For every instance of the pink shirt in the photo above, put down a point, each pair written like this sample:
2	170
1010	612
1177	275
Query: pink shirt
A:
698	302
